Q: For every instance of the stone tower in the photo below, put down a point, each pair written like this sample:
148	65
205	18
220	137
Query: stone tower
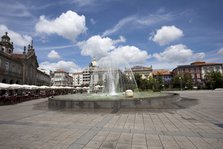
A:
5	44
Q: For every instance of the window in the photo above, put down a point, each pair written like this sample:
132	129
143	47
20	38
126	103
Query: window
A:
7	66
218	69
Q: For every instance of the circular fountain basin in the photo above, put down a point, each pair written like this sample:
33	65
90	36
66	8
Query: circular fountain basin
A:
97	101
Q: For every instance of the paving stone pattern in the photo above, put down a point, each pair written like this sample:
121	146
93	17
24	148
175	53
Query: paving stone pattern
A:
32	125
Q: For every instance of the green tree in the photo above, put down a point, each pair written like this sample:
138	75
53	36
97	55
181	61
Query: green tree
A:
214	79
183	81
187	81
144	84
176	81
138	79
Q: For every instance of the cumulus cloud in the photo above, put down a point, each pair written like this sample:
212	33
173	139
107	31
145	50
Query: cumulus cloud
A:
130	54
104	49
97	46
16	38
220	51
67	66
53	55
178	54
69	25
166	34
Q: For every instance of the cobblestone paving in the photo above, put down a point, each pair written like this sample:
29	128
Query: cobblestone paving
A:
33	125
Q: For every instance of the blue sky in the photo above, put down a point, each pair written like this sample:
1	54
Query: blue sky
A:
67	34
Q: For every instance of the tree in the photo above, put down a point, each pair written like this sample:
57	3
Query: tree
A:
138	79
188	81
214	79
176	82
144	84
183	81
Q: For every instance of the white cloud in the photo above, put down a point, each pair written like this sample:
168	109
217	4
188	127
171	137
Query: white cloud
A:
104	49
14	9
53	55
56	47
198	56
123	57
178	54
69	25
82	3
119	25
166	35
120	40
137	21
220	51
67	66
96	46
16	38
92	21
129	54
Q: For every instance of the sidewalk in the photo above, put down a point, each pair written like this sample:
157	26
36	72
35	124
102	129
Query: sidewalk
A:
33	125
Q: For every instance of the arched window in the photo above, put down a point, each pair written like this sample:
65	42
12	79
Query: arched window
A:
4	81
11	82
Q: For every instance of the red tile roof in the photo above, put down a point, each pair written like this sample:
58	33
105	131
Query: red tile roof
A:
161	72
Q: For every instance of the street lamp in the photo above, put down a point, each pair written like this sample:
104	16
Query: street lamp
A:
180	83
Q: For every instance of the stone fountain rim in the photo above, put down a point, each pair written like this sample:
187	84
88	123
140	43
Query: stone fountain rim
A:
165	95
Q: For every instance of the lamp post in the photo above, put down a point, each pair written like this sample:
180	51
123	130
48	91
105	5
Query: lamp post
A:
180	83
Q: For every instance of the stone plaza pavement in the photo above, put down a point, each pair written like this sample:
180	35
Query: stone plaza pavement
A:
190	124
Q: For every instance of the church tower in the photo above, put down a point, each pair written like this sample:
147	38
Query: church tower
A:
5	44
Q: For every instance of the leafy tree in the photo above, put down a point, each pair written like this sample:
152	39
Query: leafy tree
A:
144	84
183	81
176	81
214	79
187	81
138	79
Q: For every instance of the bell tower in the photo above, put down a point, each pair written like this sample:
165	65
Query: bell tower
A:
6	45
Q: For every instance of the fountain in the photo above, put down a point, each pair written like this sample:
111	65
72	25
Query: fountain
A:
112	76
112	85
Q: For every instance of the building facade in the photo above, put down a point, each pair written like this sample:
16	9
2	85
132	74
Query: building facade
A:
62	78
164	74
88	73
20	68
198	70
77	79
145	72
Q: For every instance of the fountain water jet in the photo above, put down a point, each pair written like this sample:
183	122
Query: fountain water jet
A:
112	76
111	83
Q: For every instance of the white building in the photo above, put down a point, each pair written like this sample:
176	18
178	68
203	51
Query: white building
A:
145	72
62	78
87	73
210	67
77	79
